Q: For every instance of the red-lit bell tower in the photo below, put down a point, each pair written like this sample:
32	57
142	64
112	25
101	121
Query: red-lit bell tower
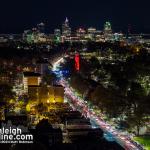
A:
77	62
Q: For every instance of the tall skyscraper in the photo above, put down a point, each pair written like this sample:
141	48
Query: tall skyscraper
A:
66	30
108	31
107	28
57	32
57	35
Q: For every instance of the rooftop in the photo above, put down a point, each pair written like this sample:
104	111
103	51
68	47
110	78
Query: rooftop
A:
31	74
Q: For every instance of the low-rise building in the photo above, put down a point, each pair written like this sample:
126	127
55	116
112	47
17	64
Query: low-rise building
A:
46	94
31	79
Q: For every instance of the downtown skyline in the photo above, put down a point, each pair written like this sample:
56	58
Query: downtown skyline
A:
17	16
74	74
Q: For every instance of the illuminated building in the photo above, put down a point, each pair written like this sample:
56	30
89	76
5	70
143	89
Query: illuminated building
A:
107	27
46	95
57	35
35	35
108	31
118	36
28	36
42	66
72	39
99	37
3	40
41	38
80	32
57	32
62	39
5	78
58	94
31	79
91	33
66	30
77	62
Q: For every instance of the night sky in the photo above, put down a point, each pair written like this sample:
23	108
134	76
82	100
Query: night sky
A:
17	15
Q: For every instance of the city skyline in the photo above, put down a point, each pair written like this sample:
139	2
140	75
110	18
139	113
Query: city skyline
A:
74	74
24	15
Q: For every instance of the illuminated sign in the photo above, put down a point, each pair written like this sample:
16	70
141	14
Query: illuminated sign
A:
77	62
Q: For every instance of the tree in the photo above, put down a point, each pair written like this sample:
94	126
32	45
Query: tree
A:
6	94
94	62
135	95
138	110
138	119
80	84
49	78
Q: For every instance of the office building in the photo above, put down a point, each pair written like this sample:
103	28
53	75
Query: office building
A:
66	30
108	31
91	33
31	79
46	94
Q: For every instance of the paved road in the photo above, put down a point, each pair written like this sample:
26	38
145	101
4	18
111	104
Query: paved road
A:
80	105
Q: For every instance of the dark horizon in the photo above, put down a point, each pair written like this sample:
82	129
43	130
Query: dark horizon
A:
17	16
